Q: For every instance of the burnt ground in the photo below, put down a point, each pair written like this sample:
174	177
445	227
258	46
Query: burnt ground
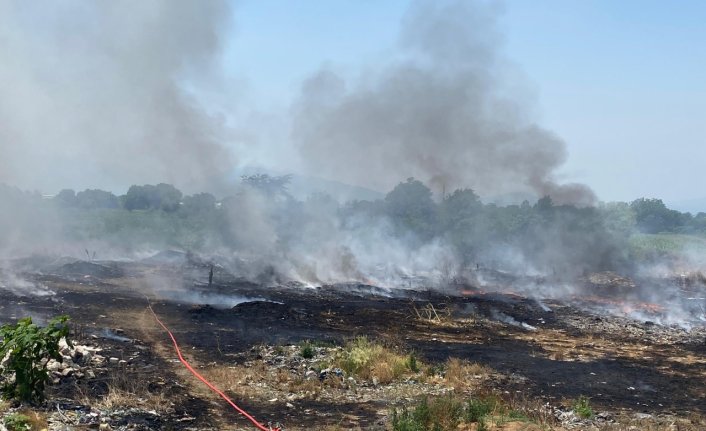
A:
548	351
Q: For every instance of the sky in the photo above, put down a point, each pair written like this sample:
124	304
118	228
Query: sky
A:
620	82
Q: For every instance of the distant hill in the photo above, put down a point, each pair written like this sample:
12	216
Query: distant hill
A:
302	186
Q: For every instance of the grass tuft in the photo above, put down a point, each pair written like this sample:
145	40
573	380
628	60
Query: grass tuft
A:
369	360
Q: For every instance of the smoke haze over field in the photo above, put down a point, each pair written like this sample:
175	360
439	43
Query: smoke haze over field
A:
92	93
112	94
441	115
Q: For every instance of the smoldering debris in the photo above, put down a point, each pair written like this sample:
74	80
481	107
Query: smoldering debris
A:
502	317
168	257
19	286
112	335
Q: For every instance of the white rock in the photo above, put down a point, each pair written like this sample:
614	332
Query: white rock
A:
53	365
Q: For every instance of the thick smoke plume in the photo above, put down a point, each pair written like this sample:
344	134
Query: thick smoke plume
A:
440	113
92	92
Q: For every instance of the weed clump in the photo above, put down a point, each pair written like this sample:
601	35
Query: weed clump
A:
582	407
17	422
463	375
477	409
450	413
370	360
306	350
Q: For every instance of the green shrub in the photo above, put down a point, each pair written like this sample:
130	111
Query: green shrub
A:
477	409
28	347
582	407
359	355
17	422
412	363
415	420
441	414
306	350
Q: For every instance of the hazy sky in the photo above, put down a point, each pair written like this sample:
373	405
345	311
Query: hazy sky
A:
620	81
542	94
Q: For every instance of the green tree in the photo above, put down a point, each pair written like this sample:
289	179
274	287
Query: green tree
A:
92	199
200	202
149	197
653	216
66	198
411	207
168	197
460	206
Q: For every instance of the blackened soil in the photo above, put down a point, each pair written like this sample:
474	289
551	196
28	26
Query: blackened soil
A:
511	334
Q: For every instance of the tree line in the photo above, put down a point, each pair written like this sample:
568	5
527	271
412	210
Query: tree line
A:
548	234
410	203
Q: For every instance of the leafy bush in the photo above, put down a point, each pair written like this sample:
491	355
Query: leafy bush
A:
582	407
27	348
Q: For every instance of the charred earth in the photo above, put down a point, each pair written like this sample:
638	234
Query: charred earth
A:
286	351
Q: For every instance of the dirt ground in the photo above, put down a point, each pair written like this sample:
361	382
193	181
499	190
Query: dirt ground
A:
550	352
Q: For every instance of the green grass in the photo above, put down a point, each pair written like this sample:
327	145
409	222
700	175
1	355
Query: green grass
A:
647	246
446	413
130	228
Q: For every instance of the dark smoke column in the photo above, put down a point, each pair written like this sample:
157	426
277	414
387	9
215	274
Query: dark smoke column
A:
440	115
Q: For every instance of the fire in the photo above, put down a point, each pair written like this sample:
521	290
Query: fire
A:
627	307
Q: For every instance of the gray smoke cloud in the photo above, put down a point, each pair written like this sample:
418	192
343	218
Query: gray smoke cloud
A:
93	93
440	113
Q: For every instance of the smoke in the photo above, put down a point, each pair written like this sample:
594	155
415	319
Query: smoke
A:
106	94
93	92
19	286
441	113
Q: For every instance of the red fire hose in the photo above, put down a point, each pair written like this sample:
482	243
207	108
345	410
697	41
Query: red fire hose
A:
206	382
